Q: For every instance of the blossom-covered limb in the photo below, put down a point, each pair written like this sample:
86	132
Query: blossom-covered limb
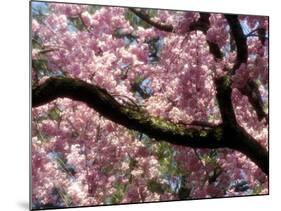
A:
227	135
250	89
202	24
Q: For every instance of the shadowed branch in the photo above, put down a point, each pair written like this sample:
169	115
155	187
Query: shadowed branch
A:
157	128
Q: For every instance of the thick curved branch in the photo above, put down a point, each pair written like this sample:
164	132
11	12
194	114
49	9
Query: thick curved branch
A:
240	40
236	136
224	92
249	146
137	119
250	89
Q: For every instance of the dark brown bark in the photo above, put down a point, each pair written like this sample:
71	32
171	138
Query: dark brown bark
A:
226	135
147	19
229	134
132	118
250	89
240	40
203	24
236	137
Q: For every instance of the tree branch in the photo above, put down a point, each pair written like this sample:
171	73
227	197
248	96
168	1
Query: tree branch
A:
202	24
240	40
147	19
245	143
236	136
100	100
261	34
250	89
224	96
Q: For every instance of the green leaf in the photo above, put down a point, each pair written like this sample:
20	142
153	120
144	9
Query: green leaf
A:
155	187
118	195
54	114
42	137
257	190
77	23
40	64
64	196
106	170
36	42
135	21
93	8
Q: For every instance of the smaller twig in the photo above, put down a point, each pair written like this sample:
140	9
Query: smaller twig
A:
146	18
48	50
86	27
252	32
199	158
256	35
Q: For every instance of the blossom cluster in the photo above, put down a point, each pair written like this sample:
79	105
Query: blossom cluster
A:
80	158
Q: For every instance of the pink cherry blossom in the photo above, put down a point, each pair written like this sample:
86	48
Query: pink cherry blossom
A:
80	158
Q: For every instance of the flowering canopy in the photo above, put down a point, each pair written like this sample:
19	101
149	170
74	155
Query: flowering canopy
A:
138	105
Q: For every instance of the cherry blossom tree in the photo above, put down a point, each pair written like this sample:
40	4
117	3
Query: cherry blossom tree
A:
139	105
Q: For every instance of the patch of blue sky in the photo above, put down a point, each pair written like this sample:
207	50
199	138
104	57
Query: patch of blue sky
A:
132	42
53	155
146	86
71	27
174	182
39	8
246	29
